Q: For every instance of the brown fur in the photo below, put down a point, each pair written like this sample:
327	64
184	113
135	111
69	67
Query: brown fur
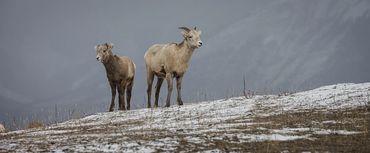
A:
120	72
168	61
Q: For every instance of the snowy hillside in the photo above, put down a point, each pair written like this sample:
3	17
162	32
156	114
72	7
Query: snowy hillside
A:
305	121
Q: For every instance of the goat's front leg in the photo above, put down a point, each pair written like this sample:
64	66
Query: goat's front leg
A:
169	80
121	92
113	90
178	86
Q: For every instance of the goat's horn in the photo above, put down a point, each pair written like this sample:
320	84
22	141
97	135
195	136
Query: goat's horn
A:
195	28
185	28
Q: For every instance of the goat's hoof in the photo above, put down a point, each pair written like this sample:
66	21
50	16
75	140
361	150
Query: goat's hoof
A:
128	108
111	110
149	106
156	106
180	103
167	105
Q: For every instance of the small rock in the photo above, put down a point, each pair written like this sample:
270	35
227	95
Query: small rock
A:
235	138
225	138
2	128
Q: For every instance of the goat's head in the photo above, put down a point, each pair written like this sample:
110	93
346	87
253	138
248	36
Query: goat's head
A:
192	36
103	51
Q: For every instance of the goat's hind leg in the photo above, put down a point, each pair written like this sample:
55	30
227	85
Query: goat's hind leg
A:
178	86
113	87
121	92
157	90
129	92
169	80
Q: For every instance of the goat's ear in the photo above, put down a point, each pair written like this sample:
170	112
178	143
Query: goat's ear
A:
110	45
184	33
96	47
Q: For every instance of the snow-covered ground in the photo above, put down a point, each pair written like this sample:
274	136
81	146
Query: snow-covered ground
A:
183	128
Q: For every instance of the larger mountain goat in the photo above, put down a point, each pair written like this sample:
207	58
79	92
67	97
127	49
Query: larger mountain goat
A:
169	61
120	73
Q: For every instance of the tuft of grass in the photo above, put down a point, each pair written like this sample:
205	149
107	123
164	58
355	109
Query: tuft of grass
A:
35	124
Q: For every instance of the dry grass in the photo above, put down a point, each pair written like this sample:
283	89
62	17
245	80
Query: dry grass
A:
350	120
35	124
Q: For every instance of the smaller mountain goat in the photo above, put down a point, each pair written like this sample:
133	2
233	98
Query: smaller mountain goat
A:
120	73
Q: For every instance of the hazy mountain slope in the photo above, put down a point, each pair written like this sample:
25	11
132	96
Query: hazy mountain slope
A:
288	44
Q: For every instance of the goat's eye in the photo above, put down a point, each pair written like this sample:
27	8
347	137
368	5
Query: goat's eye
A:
190	37
104	51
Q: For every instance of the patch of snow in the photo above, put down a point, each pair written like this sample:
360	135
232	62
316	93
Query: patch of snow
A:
269	137
50	132
313	131
193	139
329	122
340	132
168	143
291	130
212	151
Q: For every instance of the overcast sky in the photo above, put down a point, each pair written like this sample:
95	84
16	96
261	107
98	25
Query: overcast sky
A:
48	57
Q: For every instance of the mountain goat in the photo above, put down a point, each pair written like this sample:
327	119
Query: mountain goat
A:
168	61
120	72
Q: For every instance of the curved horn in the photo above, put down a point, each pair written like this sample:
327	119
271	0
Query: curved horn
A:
109	45
195	28
185	28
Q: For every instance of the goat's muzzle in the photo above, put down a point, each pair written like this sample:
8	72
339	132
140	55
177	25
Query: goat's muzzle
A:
200	44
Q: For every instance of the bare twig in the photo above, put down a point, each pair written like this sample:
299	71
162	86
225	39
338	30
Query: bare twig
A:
247	93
